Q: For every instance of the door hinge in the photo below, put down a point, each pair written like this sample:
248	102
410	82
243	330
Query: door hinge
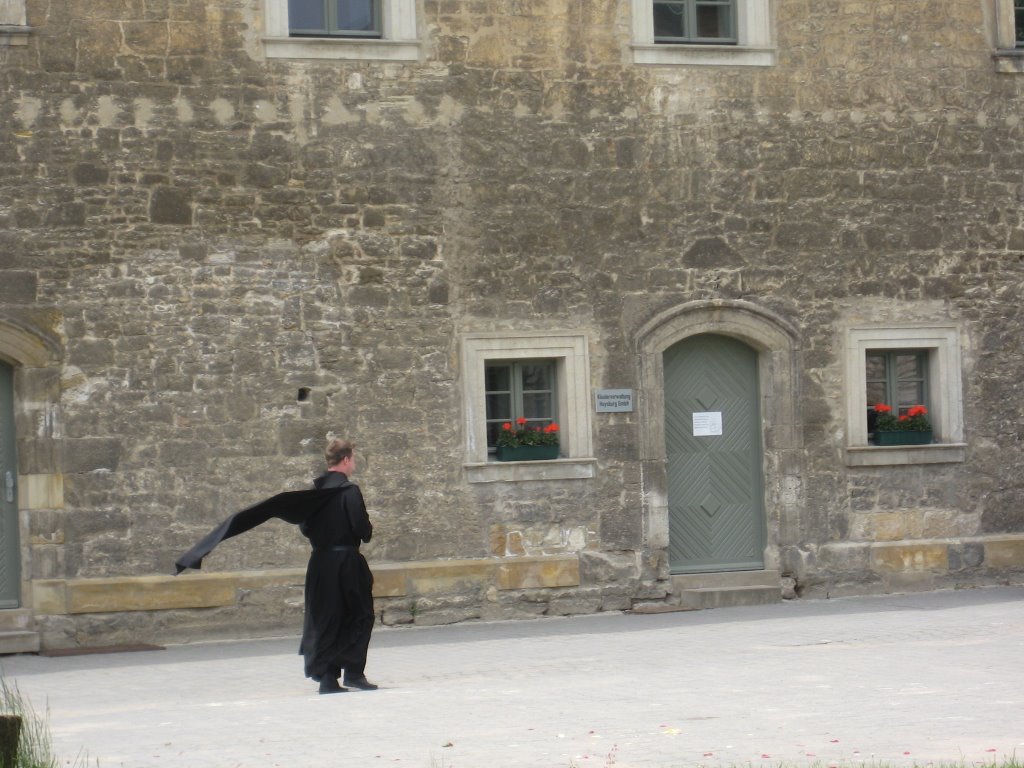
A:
9	486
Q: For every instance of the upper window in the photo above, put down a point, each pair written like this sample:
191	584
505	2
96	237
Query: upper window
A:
14	29
1018	22
695	21
334	18
904	367
702	32
342	29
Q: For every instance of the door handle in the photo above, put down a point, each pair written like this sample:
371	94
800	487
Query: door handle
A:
9	486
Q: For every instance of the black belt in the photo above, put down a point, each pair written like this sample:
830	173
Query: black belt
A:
336	548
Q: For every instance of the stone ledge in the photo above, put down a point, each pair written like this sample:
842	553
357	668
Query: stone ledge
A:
212	590
907	556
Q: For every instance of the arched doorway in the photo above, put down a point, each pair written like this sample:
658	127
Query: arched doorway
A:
742	342
10	538
714	464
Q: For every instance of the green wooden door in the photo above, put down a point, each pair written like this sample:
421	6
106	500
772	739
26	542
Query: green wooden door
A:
713	442
10	546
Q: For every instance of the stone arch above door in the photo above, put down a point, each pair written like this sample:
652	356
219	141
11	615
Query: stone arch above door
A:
777	343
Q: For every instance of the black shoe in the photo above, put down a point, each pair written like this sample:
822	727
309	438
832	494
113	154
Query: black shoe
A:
361	683
330	685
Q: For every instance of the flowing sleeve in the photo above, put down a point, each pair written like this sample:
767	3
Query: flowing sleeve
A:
293	507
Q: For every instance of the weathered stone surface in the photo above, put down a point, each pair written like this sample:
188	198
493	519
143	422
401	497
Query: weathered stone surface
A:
191	235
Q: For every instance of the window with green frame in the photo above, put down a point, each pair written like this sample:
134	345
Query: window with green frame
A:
1018	21
519	389
896	377
695	21
334	18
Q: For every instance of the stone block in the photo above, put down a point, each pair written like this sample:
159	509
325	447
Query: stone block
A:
88	454
541	572
150	593
1004	553
41	491
49	597
909	557
17	287
170	205
449	576
389	580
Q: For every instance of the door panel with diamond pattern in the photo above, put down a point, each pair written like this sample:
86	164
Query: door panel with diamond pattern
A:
10	548
715	497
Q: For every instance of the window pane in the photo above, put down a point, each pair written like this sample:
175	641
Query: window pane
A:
908	366
355	16
669	20
493	429
714	21
536	377
537	406
910	393
499	406
874	366
876	393
498	378
1018	13
308	15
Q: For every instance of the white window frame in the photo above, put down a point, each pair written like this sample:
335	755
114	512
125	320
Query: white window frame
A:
568	352
398	42
754	47
14	29
942	345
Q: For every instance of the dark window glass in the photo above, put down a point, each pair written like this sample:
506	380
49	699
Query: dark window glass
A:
695	21
1018	17
334	18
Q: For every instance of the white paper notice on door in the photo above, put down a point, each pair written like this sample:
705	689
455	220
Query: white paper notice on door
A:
707	424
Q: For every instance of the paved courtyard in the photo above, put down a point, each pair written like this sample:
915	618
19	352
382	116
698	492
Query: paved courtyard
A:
904	680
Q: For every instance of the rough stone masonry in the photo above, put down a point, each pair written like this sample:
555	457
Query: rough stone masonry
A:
212	259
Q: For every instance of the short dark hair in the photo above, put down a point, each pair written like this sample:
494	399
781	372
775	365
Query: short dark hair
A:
337	451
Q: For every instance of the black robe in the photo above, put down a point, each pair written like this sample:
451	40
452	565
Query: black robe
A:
339	585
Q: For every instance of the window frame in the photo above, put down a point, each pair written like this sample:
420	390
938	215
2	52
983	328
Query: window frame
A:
893	379
517	390
398	40
754	45
332	30
690	9
1009	53
941	346
14	28
568	353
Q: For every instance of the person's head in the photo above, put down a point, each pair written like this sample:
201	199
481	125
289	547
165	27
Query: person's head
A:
340	456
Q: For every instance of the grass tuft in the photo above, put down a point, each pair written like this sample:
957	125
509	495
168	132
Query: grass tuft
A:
35	747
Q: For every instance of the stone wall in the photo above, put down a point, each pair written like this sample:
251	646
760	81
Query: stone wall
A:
227	258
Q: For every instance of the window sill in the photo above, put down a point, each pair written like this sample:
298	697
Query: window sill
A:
885	456
704	55
521	471
14	34
343	49
1009	60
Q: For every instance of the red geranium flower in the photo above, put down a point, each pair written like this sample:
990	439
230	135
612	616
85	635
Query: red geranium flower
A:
883	408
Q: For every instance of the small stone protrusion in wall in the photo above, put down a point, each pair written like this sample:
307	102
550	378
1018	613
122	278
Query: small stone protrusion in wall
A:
788	585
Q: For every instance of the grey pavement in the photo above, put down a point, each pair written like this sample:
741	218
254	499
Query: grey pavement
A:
900	680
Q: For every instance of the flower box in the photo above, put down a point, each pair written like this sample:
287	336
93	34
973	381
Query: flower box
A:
903	437
526	452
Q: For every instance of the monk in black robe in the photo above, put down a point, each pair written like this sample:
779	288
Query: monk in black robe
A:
339	614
